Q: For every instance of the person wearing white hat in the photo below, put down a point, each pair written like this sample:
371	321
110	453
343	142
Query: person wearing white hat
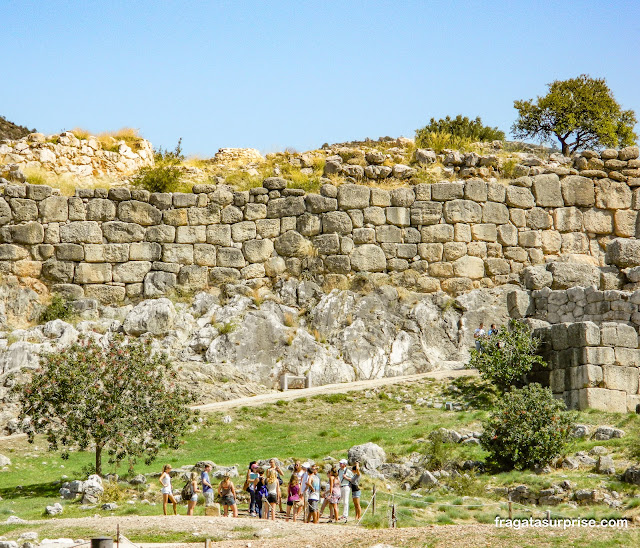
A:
304	490
344	475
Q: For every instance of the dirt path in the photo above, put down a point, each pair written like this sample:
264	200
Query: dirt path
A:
230	533
339	388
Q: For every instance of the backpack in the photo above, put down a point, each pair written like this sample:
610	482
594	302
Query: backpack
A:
187	491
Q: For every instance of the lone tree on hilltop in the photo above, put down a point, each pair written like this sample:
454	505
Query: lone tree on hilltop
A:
120	398
580	112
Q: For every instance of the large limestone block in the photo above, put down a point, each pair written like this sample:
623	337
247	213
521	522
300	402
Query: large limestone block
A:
219	235
618	377
584	376
625	223
10	252
81	232
441	192
155	316
629	153
192	234
69	252
93	273
424	213
627	356
27	233
353	196
131	272
618	335
494	212
431	252
144	251
382	198
142	213
583	334
58	271
437	233
211	214
399	216
5	212
613	401
337	222
537	277
496	266
158	283
320	204
519	304
597	355
327	244
54	209
180	217
291	206
598	221
578	191
120	232
368	258
402	197
177	253
106	253
194	277
462	211
539	219
568	219
389	234
309	224
253	212
624	252
520	197
230	257
23	209
205	254
257	251
293	244
612	194
546	189
469	267
507	235
566	275
99	209
105	294
484	232
575	242
476	190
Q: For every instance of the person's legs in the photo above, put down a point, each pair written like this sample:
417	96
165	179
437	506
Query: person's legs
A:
316	516
175	504
234	509
165	499
288	512
273	510
356	505
190	506
265	509
345	495
324	505
334	509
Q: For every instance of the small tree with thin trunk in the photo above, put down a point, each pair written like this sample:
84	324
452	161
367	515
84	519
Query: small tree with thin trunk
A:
580	112
120	398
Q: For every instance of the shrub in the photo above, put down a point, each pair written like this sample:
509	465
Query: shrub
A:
439	141
459	127
58	309
507	357
528	428
436	451
165	176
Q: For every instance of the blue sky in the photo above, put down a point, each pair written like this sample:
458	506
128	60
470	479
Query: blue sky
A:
274	74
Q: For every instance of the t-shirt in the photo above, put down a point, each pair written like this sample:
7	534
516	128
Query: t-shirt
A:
478	333
315	494
355	482
344	476
303	481
205	477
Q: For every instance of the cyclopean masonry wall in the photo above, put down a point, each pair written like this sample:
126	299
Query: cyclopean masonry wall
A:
453	236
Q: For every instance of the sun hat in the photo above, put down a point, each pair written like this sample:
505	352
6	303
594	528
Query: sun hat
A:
306	464
344	461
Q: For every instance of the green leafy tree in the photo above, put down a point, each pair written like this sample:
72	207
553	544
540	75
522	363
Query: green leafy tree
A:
460	127
580	112
121	398
507	357
528	428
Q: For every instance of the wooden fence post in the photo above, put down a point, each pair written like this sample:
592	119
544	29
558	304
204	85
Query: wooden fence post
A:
373	502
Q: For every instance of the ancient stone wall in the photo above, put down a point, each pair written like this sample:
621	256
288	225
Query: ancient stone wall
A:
453	236
66	154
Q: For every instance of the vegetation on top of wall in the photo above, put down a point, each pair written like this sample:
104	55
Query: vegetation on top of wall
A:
458	130
165	175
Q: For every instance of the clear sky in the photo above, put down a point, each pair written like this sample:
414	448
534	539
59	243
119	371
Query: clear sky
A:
276	74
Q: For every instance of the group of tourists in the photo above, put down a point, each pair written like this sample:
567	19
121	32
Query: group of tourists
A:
480	333
304	491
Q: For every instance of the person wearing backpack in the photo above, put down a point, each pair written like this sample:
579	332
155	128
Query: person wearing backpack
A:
261	493
191	490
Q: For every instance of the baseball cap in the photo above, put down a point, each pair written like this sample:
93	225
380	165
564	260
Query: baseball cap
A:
344	461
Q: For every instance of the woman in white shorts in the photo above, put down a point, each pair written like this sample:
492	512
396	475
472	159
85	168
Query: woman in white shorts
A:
167	491
194	494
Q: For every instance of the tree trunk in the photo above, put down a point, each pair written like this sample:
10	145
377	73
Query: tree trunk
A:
99	459
566	151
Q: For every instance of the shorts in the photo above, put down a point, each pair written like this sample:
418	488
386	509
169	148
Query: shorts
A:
228	500
293	503
272	499
194	497
166	491
313	505
208	497
355	494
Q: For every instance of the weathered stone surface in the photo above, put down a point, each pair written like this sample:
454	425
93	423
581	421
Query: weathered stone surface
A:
578	191
257	251
177	253
154	316
469	267
598	221
27	233
292	244
105	294
566	275
119	232
547	192
140	213
99	209
624	252
131	272
462	211
568	219
336	221
290	206
158	283
92	273
54	209
441	192
353	196
368	258
537	277
424	213
612	195
519	197
320	204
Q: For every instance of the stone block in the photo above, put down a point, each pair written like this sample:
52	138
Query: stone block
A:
431	252
529	238
105	294
627	356
193	277
339	264
158	283
624	252
547	192
618	335
100	209
69	252
402	197
559	336
583	334
612	401
160	234
399	216
454	250
320	204
566	275
161	200
207	215
538	219
292	244
537	277
181	199
353	196
597	355
598	221
257	251
425	213
469	267
337	222
141	213
119	194
54	209
437	233
268	228
496	192
507	235
242	231
578	191
584	376
422	190
388	234
519	304
121	232
484	232
618	377
364	235
291	206
92	273
568	219
131	272
230	257
192	234
145	251
612	194
381	197
327	244
476	190
106	253
177	217
179	253
232	214
493	212
462	211
519	197
625	223
368	258
441	192
23	209
81	232
219	235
